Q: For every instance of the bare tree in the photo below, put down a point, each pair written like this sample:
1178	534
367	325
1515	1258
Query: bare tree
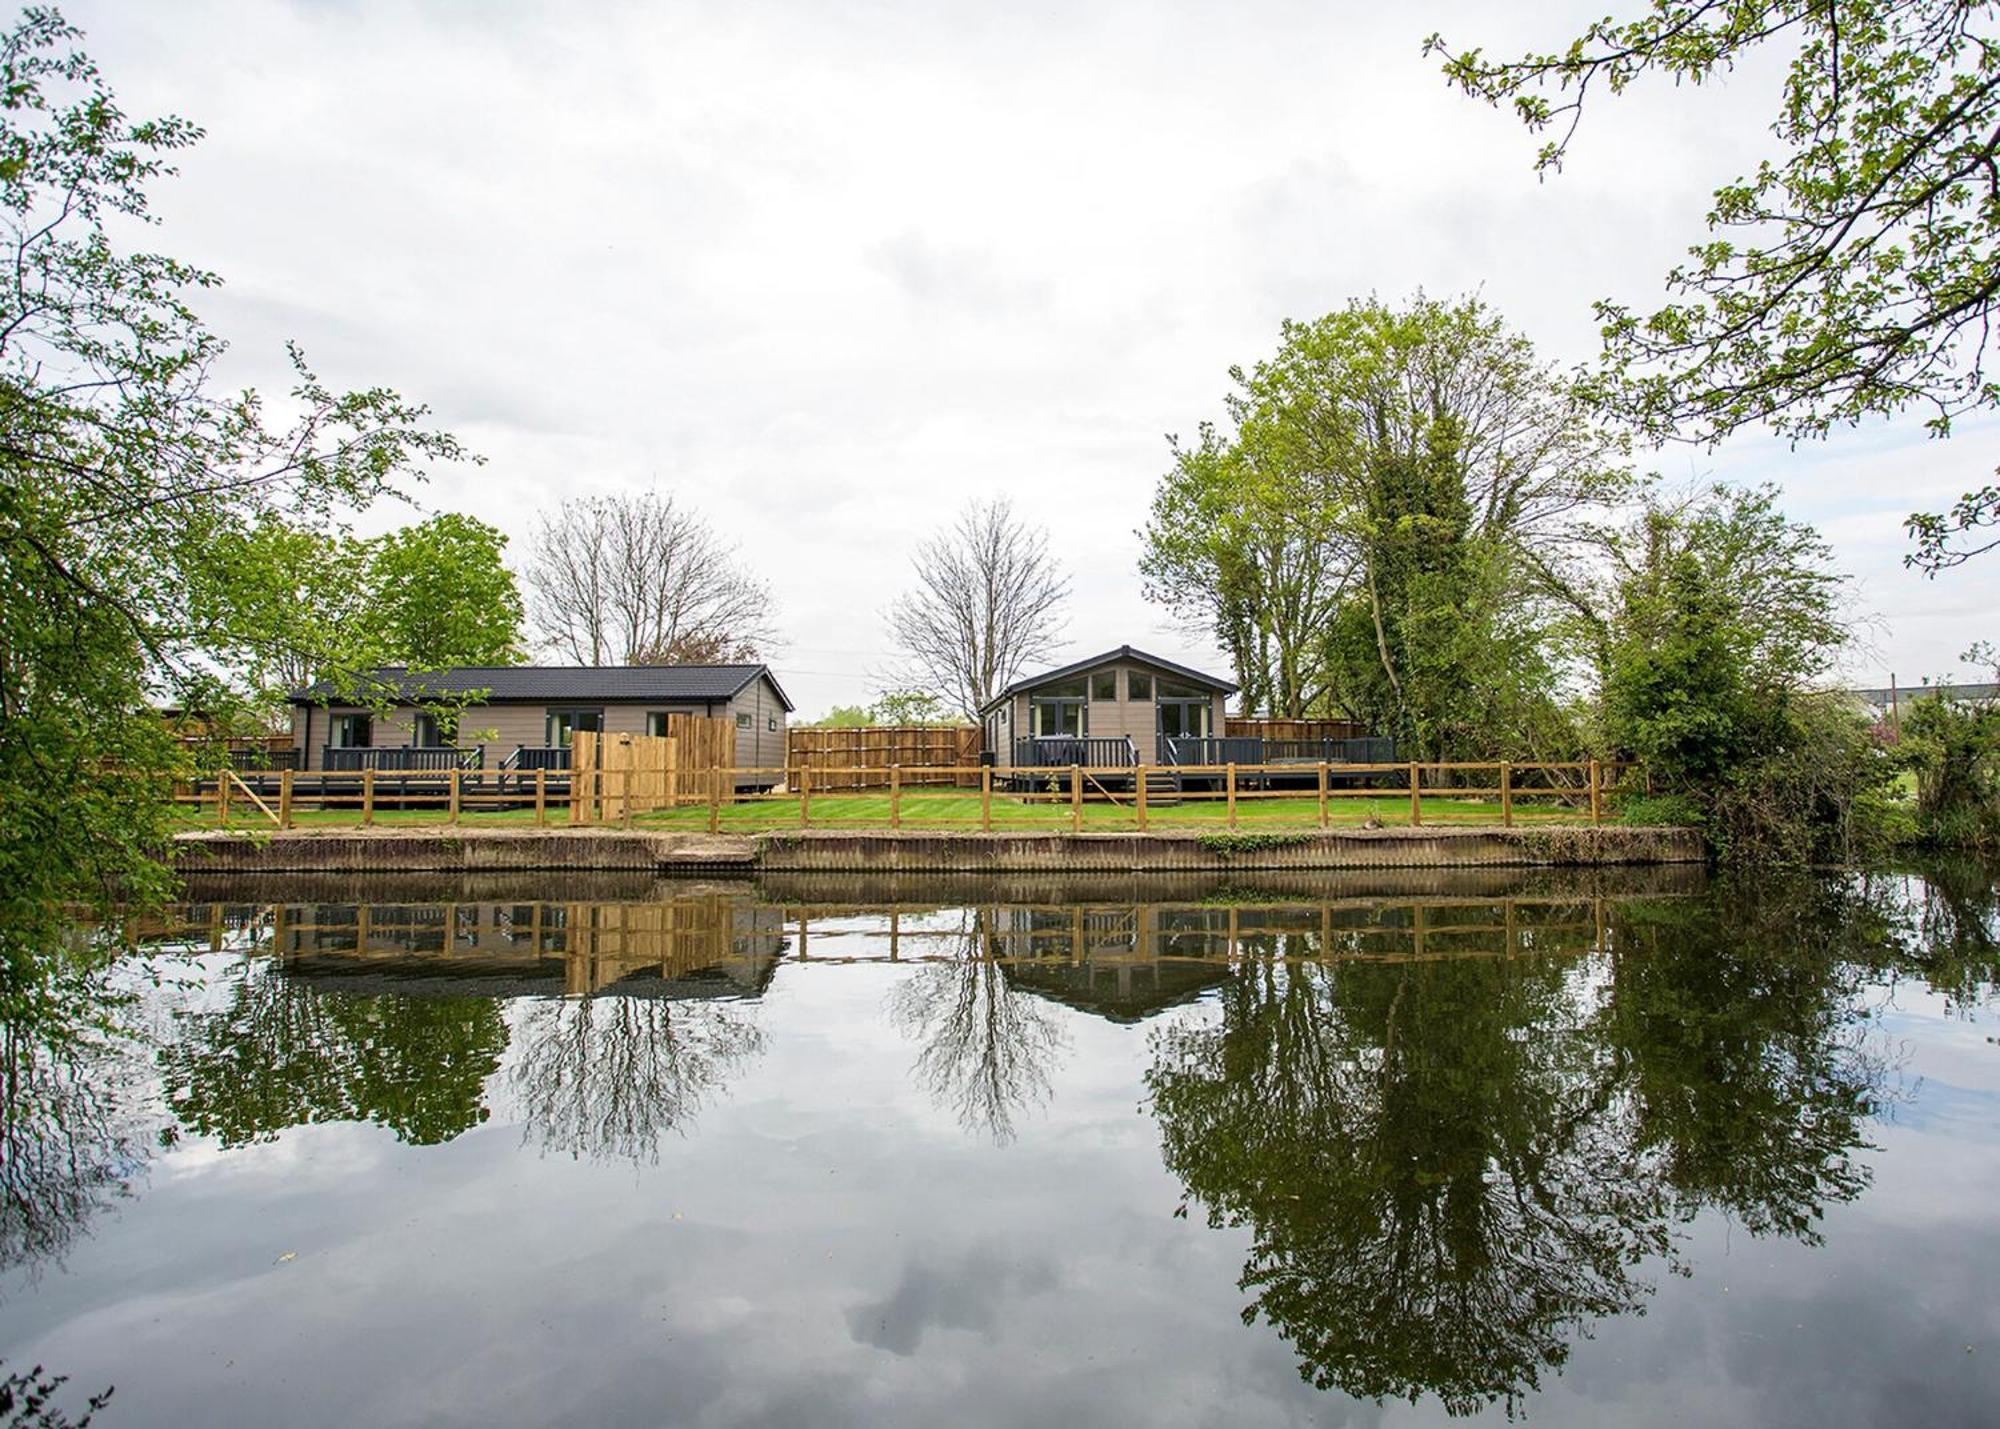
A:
642	580
987	602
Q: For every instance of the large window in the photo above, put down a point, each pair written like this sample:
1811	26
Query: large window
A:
1104	686
1057	710
351	731
563	725
1138	685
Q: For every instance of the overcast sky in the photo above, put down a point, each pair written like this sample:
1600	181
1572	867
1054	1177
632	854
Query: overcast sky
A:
828	271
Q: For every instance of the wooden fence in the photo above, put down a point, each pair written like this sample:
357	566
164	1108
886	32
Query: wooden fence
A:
1268	796
1245	727
645	772
861	757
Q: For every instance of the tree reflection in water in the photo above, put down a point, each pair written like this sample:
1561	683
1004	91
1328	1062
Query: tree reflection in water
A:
609	1074
283	1052
73	1132
1450	1169
986	1049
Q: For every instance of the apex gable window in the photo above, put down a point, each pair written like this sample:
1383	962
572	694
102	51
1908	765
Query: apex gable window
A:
563	724
1138	685
1104	686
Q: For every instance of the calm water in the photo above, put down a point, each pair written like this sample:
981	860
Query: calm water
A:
1582	1150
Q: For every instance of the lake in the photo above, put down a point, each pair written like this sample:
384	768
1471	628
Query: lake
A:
1626	1146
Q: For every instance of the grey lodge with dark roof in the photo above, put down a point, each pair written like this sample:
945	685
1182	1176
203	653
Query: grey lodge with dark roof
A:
532	707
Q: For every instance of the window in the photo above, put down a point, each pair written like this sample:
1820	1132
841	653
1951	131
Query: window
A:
430	731
1104	685
351	731
563	725
656	723
1138	686
771	723
743	721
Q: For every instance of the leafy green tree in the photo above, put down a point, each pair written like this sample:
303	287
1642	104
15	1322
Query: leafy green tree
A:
439	594
1724	615
1852	275
1952	747
845	717
124	472
1379	534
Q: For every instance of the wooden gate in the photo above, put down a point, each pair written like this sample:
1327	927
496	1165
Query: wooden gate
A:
618	775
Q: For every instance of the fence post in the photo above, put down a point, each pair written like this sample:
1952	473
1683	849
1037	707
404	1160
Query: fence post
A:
1416	796
1507	795
986	799
805	796
575	789
1322	794
895	796
1139	797
367	797
1076	798
625	797
715	800
221	798
541	798
285	798
1596	794
452	782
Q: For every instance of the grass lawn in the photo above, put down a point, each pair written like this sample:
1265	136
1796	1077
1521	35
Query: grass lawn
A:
958	809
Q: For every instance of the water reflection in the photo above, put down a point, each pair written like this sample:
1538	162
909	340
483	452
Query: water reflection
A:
1457	1124
1452	1166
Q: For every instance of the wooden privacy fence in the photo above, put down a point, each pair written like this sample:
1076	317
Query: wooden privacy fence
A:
1245	727
626	774
861	757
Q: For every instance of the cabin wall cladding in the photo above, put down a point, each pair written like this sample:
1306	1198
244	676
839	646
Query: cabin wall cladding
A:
859	758
623	774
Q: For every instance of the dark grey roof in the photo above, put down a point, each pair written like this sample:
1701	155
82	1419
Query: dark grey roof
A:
553	684
1123	652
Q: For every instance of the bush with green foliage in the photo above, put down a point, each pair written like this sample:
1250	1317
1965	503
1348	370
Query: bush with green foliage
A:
1952	747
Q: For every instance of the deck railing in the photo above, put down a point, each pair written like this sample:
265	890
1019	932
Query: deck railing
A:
410	758
528	758
1254	749
1059	751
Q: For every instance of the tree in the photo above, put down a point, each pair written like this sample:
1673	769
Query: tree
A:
1252	553
988	602
124	474
1379	532
1852	276
643	580
1726	614
440	594
297	604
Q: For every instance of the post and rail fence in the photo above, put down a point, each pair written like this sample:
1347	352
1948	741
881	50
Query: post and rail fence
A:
625	778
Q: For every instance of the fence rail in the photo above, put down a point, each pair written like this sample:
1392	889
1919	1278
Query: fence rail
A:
1273	797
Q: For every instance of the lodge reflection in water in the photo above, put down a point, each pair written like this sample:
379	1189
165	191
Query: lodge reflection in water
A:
1457	1130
